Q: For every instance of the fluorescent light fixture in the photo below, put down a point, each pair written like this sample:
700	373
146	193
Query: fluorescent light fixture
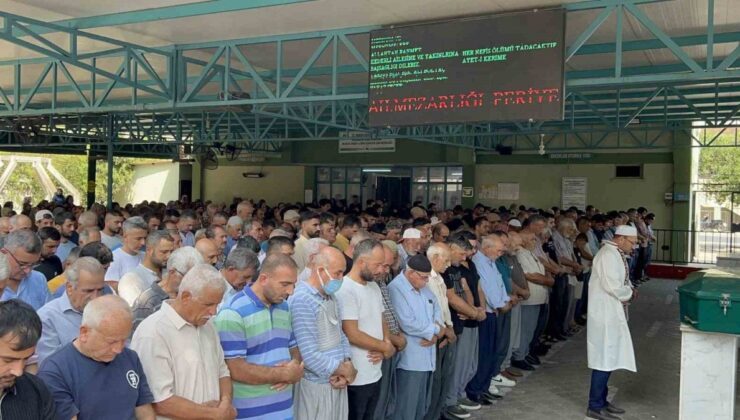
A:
456	173
377	170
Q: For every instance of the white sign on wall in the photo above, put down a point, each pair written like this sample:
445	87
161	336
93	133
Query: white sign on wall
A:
367	146
574	190
508	191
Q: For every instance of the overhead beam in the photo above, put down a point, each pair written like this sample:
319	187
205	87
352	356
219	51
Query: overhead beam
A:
178	11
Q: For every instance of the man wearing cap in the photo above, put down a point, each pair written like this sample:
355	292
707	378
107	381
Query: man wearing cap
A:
515	225
292	220
44	218
410	246
609	342
420	318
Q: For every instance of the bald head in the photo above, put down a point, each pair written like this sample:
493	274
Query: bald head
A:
208	250
20	222
87	219
330	264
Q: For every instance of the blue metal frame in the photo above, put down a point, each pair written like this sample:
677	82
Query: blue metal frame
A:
199	94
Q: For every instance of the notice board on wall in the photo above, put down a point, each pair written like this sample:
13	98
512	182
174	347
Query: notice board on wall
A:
505	67
574	192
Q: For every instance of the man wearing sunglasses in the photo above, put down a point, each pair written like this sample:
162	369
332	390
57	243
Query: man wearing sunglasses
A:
23	249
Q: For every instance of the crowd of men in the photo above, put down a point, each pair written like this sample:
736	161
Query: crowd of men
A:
200	310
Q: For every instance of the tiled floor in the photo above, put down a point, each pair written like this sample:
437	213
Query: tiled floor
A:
559	388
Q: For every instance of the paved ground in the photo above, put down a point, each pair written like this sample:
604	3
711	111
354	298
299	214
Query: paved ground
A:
559	388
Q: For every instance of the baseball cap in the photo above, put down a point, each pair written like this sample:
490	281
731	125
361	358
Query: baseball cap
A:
42	214
291	215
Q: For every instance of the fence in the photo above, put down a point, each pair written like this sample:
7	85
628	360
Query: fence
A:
693	246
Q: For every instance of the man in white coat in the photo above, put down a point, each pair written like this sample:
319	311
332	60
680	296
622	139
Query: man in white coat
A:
609	341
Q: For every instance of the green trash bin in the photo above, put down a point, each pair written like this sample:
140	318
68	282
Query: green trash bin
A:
710	301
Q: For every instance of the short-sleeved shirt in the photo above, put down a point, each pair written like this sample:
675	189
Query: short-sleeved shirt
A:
538	293
131	287
503	266
90	389
112	242
147	303
123	262
50	267
363	303
64	249
262	336
517	274
389	314
32	290
453	280
179	358
470	273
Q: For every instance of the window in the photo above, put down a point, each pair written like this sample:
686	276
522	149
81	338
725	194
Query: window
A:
441	185
628	171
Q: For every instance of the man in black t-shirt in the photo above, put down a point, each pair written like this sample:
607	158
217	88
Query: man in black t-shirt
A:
50	265
461	279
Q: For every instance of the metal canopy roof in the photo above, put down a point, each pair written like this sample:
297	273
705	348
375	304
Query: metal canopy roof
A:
150	75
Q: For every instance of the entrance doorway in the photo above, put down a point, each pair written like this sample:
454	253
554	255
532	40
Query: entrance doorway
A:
393	190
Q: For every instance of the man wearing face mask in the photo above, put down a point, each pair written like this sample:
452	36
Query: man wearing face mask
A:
322	392
181	354
84	374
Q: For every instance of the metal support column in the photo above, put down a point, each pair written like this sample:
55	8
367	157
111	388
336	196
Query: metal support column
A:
92	167
109	186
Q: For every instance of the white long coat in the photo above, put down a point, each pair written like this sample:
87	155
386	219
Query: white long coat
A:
609	341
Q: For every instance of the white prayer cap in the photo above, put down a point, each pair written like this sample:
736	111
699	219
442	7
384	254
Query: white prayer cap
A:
626	230
435	220
515	223
411	233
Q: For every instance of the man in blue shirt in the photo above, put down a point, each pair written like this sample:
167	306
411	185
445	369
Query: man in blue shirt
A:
420	318
322	392
493	332
23	248
62	316
96	376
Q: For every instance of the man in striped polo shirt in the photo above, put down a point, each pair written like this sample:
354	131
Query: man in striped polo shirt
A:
255	330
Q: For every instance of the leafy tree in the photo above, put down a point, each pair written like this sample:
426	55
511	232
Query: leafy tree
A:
25	182
720	166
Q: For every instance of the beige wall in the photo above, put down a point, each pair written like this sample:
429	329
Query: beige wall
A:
280	183
540	186
155	181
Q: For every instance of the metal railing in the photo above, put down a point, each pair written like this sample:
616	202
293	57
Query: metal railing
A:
693	246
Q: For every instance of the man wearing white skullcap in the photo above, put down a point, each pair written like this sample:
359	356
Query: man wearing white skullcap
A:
609	341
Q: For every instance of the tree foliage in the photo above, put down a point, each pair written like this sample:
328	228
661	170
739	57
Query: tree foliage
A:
24	182
720	166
